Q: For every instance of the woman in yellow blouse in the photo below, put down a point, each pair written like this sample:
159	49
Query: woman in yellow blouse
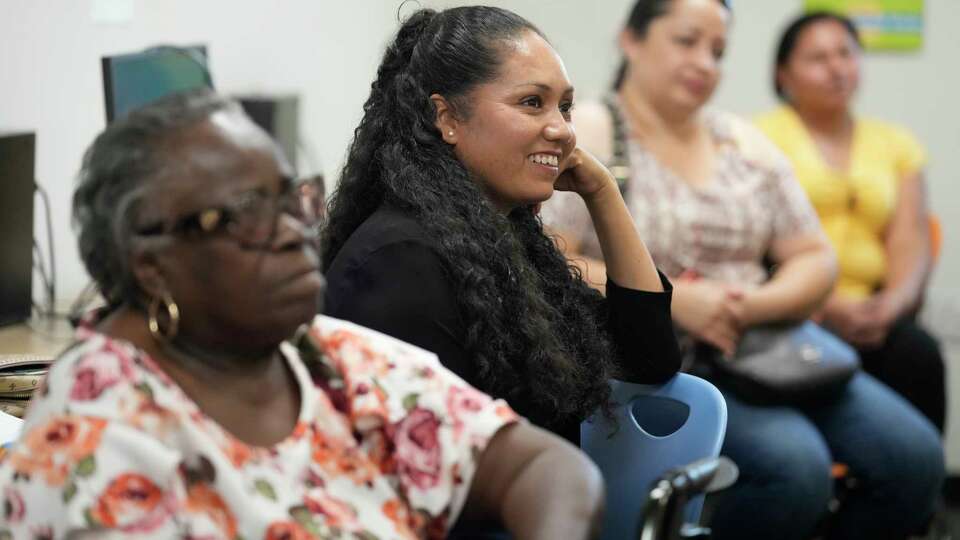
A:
865	179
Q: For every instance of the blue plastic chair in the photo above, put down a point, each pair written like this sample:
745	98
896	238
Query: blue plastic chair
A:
654	429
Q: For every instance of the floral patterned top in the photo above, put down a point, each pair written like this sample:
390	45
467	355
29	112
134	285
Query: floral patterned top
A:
385	446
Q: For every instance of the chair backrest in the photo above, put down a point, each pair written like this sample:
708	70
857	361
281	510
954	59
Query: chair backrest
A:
936	237
654	428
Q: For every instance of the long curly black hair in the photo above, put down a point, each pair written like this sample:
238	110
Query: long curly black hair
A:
536	332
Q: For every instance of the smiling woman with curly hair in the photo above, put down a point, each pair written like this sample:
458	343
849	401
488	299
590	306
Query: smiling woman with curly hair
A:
433	235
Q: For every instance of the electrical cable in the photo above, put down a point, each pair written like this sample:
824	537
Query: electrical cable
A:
41	267
52	278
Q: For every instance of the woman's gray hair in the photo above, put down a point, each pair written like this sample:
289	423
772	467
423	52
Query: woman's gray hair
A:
114	173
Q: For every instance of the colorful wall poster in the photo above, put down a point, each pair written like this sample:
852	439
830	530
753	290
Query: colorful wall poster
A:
885	25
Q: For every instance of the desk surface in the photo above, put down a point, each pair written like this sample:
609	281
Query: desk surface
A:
39	338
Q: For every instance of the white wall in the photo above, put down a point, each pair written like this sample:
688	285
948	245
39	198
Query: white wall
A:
327	51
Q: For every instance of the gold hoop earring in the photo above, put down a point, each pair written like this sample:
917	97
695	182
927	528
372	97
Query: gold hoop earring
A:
173	314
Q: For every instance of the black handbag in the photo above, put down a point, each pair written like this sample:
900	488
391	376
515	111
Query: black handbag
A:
787	364
20	376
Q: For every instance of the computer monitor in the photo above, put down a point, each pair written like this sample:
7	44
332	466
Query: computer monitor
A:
134	80
16	222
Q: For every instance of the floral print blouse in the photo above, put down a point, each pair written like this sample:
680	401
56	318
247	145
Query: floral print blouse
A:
385	447
723	229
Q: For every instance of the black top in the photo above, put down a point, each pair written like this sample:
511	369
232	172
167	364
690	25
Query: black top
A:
388	277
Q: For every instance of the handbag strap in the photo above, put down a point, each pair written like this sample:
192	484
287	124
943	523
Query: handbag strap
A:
619	164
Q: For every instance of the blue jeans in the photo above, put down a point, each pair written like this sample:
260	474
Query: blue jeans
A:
785	455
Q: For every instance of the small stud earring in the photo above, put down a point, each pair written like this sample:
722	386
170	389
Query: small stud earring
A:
450	133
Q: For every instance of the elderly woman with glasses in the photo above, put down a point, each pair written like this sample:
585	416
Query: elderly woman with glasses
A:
186	409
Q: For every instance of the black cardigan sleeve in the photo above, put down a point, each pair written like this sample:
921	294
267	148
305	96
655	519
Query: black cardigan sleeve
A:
642	330
401	289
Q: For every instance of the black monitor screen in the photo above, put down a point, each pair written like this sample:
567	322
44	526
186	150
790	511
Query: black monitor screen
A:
16	222
134	80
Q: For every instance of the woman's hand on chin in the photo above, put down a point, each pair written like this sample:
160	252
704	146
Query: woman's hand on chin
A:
585	175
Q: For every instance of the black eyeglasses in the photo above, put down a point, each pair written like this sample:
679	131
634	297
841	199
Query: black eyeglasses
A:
251	217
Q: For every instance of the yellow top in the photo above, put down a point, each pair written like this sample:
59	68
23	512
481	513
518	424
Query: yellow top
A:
855	205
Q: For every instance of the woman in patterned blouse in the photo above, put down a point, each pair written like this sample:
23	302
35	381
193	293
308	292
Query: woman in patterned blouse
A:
713	199
183	410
